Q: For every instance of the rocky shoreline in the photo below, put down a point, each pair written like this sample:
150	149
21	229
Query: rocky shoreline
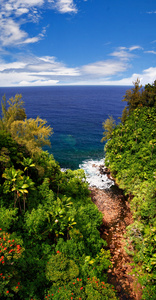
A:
116	217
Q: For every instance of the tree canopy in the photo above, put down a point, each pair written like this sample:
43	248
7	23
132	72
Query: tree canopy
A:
139	96
32	133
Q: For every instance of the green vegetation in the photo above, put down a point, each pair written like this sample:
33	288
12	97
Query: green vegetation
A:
108	126
131	158
50	245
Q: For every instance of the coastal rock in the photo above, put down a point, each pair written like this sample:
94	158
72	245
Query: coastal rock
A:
105	171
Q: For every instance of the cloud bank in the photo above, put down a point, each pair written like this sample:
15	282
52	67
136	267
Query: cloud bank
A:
47	70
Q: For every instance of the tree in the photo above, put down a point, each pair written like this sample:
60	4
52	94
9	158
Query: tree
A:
108	126
150	94
139	97
17	184
27	163
14	112
32	133
133	96
12	177
4	157
25	184
125	114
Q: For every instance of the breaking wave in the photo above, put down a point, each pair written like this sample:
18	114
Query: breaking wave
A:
93	173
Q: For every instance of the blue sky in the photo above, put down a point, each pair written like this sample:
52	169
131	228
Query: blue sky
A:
77	42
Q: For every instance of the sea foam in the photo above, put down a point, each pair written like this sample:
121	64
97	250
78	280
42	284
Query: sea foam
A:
93	174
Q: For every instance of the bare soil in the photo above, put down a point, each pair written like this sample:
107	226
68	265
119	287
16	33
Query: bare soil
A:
116	217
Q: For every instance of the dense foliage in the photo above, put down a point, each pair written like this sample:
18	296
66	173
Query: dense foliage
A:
131	158
50	245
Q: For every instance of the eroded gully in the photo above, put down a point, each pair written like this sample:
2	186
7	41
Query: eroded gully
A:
116	217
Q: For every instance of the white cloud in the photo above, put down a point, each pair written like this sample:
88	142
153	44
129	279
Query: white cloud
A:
35	71
13	11
11	32
65	6
14	65
48	66
151	12
153	52
46	70
125	53
10	21
104	68
21	11
122	54
31	40
147	76
18	7
22	6
14	78
135	48
39	83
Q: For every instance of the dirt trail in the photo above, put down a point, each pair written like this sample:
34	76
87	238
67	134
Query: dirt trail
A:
116	217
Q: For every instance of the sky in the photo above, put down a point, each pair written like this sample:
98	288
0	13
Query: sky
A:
77	42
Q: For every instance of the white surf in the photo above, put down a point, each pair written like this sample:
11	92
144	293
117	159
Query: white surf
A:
93	174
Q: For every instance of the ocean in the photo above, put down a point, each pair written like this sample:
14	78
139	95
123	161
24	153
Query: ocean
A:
76	114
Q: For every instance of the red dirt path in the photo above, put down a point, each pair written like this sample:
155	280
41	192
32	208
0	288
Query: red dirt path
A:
116	217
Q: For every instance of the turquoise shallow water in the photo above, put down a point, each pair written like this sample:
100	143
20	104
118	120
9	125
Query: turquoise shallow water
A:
76	114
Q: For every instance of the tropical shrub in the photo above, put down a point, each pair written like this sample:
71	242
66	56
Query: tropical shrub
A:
10	254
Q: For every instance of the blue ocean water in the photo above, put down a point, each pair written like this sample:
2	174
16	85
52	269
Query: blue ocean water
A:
76	114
